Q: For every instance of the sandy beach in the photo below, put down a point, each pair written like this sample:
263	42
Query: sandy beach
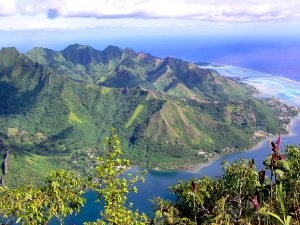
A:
292	124
197	167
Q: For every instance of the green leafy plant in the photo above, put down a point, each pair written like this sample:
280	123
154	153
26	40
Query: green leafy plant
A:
283	218
113	185
166	213
58	197
222	218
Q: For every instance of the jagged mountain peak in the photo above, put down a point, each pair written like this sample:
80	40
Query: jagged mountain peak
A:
77	47
9	50
112	48
8	56
81	54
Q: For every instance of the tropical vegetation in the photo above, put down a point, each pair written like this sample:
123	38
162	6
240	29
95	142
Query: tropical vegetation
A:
242	195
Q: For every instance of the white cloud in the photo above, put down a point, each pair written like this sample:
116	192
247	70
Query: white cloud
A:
7	7
215	10
73	14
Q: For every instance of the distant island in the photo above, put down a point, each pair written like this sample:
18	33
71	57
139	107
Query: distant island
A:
56	108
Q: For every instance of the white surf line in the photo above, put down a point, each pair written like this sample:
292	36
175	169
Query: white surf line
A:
287	79
244	69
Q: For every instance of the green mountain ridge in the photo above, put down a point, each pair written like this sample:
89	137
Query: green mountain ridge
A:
57	103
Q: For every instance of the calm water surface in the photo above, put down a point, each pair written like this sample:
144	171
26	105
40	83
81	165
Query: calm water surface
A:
157	182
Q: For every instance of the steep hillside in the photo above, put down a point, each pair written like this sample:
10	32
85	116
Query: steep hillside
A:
166	111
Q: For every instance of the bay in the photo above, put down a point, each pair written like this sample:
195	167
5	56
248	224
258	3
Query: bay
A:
157	182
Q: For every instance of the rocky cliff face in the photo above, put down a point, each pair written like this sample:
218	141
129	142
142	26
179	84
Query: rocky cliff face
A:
4	164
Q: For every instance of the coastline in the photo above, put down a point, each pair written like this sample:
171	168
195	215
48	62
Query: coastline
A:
292	124
225	70
195	168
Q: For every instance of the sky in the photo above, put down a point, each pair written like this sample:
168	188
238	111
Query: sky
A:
78	14
151	17
223	31
61	20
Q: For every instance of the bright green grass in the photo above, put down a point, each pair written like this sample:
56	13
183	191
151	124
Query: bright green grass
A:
105	90
204	140
73	118
232	108
28	168
136	112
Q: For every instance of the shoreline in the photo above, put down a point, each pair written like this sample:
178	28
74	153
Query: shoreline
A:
292	124
195	168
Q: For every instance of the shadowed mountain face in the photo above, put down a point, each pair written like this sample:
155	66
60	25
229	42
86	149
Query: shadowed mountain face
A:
165	110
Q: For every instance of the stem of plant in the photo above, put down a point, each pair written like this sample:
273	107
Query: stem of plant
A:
271	185
195	208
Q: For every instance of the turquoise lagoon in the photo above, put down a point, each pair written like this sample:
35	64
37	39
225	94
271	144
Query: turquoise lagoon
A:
285	89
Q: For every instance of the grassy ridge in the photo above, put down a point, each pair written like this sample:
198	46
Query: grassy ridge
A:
136	112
